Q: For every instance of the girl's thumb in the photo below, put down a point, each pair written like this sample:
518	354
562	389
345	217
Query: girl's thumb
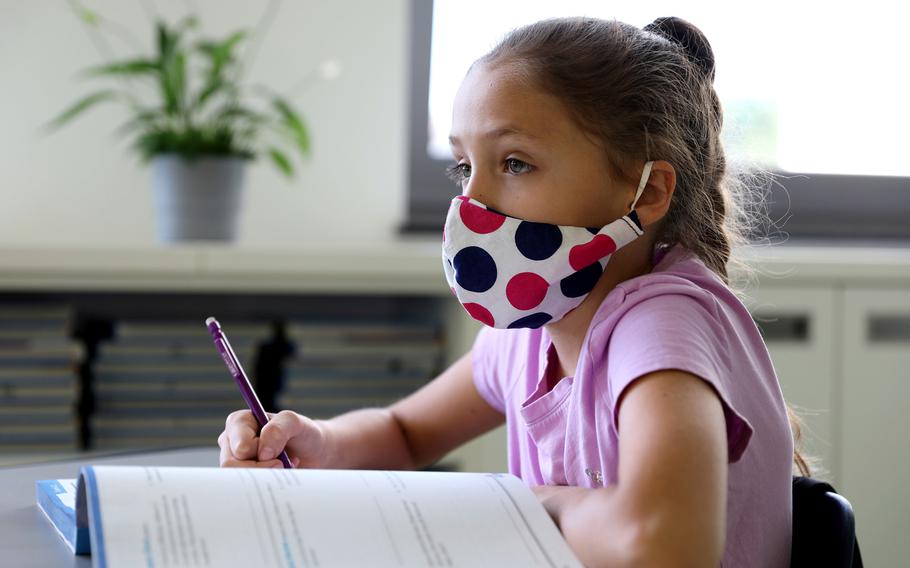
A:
276	433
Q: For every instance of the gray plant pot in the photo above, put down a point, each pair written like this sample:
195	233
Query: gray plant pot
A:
197	200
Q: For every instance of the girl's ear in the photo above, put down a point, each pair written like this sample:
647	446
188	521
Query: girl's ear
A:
655	199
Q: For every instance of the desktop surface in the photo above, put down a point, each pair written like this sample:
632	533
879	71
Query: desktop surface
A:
27	538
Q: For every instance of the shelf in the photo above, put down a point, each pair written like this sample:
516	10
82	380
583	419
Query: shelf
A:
405	268
408	267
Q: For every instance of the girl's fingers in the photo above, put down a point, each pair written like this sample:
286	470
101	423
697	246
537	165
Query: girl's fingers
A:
227	459
275	435
241	428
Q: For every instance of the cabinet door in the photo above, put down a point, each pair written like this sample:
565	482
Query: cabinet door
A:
799	327
876	425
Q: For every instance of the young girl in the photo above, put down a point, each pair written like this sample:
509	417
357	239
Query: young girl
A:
592	238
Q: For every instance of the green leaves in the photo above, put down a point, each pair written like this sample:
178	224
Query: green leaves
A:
89	17
294	124
221	53
79	107
194	116
85	14
282	161
127	68
191	143
220	56
172	66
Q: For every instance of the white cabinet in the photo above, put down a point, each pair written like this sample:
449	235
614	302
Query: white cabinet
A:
800	327
876	419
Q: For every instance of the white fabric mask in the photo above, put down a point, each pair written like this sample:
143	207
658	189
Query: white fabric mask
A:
511	273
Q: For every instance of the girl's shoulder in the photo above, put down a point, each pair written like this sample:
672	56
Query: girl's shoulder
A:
679	279
679	267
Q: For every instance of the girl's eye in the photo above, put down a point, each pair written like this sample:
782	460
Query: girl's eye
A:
458	172
518	167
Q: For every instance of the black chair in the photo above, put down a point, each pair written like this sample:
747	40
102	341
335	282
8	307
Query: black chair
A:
824	530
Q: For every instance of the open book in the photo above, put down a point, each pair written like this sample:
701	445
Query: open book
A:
187	516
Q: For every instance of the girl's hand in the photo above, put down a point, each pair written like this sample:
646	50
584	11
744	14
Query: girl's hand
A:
303	439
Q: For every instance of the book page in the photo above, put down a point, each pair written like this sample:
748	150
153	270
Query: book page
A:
160	516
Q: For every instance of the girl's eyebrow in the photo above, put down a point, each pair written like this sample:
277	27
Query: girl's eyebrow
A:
499	132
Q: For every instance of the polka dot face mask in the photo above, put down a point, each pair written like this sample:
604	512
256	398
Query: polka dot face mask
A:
511	273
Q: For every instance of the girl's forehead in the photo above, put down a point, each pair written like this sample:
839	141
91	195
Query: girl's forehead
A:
502	98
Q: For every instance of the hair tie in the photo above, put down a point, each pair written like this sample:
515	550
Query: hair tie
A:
692	40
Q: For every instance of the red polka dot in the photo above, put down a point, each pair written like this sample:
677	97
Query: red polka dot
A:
480	220
526	290
587	254
479	313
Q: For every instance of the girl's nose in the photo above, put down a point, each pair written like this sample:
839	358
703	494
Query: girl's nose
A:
477	188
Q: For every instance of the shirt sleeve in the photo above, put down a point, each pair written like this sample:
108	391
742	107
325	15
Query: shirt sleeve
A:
681	332
483	363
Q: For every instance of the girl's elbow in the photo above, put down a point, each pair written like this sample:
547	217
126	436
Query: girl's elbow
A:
605	530
670	543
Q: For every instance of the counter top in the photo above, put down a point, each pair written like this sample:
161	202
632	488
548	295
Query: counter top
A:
407	266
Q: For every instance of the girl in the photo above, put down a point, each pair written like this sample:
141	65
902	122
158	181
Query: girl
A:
592	238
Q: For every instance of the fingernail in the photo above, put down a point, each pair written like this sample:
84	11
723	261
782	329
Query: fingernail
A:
266	453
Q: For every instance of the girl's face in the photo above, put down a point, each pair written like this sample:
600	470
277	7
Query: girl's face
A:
519	152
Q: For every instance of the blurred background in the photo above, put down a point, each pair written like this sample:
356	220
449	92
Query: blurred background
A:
85	187
314	225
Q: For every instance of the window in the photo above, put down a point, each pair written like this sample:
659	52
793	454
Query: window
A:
809	92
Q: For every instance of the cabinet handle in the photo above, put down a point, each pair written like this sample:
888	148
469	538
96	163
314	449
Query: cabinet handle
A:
788	328
888	328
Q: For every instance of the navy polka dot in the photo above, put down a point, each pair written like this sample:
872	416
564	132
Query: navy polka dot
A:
532	321
475	269
582	281
592	230
537	241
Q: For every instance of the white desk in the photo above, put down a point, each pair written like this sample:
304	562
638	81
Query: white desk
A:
27	539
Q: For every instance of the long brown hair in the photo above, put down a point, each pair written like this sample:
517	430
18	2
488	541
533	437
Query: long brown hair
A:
649	94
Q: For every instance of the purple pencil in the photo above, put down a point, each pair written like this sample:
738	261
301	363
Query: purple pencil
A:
243	383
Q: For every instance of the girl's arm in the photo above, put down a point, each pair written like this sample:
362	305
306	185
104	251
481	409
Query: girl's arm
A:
669	505
418	430
412	433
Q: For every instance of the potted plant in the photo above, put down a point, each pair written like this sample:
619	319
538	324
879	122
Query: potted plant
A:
200	128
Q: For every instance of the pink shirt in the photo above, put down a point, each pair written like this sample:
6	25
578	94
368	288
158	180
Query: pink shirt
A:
679	316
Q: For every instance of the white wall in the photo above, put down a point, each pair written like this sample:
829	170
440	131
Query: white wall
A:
82	186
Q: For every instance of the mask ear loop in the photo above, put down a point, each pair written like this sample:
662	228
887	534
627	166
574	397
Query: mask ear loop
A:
645	176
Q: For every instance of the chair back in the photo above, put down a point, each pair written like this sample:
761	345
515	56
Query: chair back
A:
824	530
